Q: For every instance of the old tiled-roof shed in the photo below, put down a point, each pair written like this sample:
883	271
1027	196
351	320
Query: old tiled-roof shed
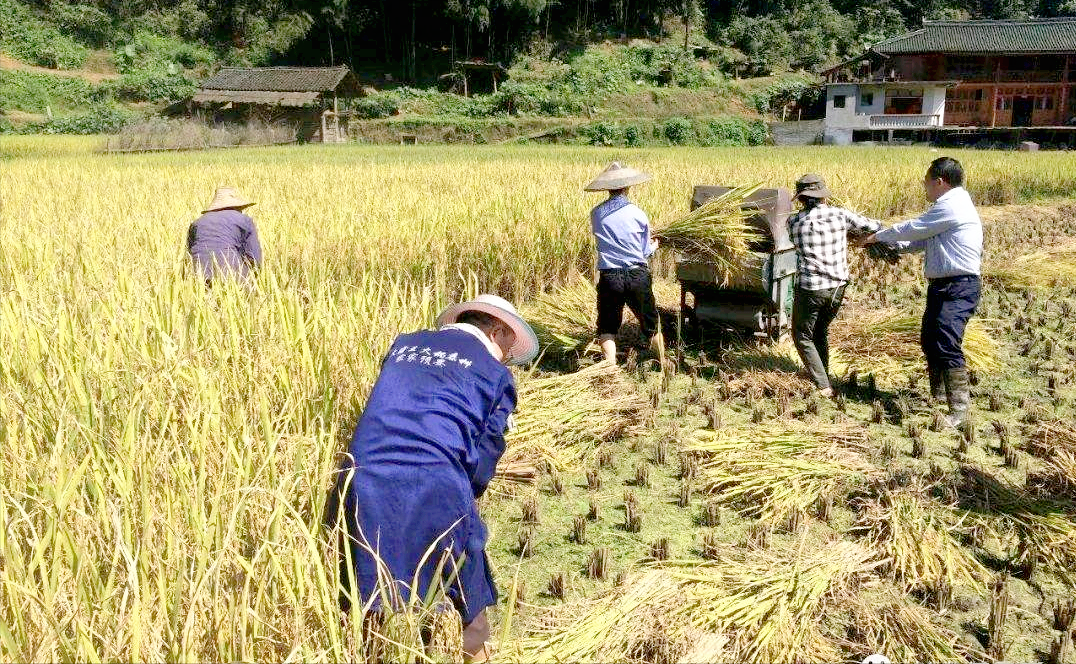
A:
315	99
278	86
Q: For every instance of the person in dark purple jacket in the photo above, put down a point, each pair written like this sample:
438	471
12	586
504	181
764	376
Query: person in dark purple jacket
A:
224	240
423	452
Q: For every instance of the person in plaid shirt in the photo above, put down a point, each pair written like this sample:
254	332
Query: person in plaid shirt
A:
820	233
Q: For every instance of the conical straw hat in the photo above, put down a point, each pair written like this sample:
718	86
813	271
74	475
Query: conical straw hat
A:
525	347
617	176
225	198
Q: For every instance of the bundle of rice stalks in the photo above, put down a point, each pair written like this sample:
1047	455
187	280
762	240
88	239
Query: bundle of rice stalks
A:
915	542
1037	532
885	622
1055	444
561	420
771	370
1052	267
716	232
772	606
772	471
885	342
564	319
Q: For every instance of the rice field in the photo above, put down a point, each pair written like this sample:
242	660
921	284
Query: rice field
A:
165	452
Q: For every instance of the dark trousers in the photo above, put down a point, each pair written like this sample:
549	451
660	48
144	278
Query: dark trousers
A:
631	286
950	303
812	312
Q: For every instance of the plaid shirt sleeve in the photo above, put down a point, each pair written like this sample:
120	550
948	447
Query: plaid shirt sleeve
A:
860	226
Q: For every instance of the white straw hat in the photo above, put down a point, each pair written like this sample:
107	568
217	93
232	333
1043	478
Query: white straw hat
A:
226	198
617	176
525	347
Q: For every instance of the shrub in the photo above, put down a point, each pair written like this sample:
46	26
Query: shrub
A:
26	37
32	92
602	133
378	105
99	119
155	84
678	131
87	23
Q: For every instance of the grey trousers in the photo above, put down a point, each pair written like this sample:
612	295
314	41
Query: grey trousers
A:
812	312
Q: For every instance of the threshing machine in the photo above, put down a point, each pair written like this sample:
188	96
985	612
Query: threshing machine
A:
757	296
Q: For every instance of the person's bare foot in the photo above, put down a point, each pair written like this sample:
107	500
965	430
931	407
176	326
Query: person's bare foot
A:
828	392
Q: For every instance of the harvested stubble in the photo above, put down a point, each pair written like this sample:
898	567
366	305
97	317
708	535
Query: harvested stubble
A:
563	419
771	470
1047	268
914	540
774	606
886	343
716	232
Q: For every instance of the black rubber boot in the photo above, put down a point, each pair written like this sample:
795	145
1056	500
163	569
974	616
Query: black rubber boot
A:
937	384
959	393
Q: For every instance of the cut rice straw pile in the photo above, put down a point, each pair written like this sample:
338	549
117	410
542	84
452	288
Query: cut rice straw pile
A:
564	319
1055	444
1047	268
716	232
772	606
769	370
914	541
885	622
1040	532
771	471
885	342
563	419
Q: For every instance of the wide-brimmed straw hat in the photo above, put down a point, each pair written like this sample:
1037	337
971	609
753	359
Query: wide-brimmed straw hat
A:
525	347
227	198
617	176
812	186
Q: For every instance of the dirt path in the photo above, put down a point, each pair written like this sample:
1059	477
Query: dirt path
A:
9	63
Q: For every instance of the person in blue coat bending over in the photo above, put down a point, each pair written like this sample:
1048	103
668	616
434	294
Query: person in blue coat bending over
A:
423	452
224	239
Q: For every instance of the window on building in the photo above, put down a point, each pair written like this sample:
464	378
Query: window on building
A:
838	101
867	99
979	94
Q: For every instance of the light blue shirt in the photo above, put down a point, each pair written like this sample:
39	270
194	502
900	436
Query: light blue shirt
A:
622	233
950	233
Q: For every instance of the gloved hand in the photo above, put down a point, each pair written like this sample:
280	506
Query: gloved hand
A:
880	251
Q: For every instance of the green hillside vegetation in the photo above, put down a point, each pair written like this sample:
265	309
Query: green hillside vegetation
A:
652	72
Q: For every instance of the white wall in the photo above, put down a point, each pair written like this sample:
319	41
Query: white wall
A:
934	103
877	105
842	117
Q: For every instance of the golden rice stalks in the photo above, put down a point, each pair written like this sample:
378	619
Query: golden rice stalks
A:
770	370
772	606
885	342
716	232
888	624
561	420
916	543
1051	267
772	471
564	319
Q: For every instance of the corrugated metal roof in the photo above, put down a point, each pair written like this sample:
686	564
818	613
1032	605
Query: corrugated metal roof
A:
255	97
277	79
1056	35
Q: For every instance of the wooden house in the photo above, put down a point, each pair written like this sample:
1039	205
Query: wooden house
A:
317	99
957	76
